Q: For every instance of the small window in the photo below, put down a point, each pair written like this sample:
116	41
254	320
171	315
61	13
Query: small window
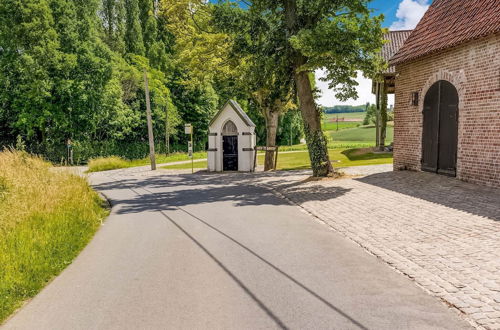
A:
230	129
414	98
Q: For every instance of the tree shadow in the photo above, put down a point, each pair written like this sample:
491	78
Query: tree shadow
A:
365	154
450	192
158	193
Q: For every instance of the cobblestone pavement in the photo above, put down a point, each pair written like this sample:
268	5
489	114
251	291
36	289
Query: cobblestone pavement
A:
441	232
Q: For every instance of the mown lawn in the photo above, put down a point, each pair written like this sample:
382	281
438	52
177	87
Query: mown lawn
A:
300	159
339	158
46	218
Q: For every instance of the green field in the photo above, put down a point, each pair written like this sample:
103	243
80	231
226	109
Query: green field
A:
350	115
360	134
328	126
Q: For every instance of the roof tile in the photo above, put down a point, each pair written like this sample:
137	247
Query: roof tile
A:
448	23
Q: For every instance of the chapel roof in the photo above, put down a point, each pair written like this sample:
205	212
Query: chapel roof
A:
448	23
239	111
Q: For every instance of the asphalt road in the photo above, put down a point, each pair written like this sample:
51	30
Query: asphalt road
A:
214	252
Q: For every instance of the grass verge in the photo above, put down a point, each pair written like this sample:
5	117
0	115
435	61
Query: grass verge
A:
46	219
106	164
112	163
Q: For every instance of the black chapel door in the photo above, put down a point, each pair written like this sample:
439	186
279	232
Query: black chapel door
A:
440	129
230	156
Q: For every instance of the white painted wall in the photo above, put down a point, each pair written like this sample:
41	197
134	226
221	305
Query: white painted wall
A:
245	158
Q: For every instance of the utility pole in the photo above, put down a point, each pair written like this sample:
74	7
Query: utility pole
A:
167	131
150	125
337	122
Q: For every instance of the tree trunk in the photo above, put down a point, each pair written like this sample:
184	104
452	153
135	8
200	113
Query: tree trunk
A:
377	116
383	117
272	118
315	138
316	141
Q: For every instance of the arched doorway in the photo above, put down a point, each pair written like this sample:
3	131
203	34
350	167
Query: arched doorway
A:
440	129
230	147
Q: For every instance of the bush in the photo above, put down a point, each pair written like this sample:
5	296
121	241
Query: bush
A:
46	218
107	163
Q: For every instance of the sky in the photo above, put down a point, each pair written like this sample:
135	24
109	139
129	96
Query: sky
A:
399	15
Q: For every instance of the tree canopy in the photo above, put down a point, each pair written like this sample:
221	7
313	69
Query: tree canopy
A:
74	69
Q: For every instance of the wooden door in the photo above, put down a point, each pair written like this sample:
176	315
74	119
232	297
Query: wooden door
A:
440	129
230	155
430	134
448	129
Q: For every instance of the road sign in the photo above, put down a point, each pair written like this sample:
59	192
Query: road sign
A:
190	149
188	129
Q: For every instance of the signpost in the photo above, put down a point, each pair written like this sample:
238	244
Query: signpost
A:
70	152
188	129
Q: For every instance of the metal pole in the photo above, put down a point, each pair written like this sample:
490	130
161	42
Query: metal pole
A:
167	132
377	117
192	153
150	125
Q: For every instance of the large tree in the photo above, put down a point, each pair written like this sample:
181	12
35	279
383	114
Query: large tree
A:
337	35
134	41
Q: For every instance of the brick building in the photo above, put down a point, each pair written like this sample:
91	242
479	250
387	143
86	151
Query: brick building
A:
447	108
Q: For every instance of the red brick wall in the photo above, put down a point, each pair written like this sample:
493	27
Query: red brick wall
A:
474	69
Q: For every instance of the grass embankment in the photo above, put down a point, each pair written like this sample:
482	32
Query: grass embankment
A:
46	218
113	163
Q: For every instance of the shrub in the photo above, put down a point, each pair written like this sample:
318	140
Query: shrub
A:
107	163
46	218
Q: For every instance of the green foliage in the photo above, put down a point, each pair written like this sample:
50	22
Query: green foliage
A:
134	42
320	162
291	129
371	115
75	69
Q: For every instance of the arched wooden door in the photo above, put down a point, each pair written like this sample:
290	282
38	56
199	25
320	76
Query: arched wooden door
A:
440	130
230	147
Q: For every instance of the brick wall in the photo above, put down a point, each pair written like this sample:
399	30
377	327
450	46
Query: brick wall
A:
474	69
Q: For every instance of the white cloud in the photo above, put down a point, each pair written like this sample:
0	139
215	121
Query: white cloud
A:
409	14
364	90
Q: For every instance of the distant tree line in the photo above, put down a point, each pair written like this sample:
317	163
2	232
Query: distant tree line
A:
344	109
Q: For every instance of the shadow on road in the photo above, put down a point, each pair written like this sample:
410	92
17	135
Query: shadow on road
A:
245	288
159	193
